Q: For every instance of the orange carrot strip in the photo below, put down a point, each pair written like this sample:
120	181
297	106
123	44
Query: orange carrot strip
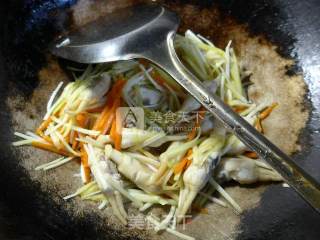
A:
118	139
239	109
112	96
109	115
267	111
84	157
102	116
115	132
189	153
251	155
86	168
95	110
108	118
74	141
100	121
113	129
161	81
61	110
67	138
178	168
43	126
49	147
81	119
193	132
188	163
80	136
144	62
158	78
47	138
118	136
183	164
87	175
108	123
200	210
86	172
115	91
258	125
263	115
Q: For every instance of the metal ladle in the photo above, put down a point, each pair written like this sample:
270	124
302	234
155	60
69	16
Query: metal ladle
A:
147	31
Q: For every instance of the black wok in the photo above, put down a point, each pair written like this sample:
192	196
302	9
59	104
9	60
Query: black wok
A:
28	212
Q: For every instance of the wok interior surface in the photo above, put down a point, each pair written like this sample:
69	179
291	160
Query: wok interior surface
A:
28	211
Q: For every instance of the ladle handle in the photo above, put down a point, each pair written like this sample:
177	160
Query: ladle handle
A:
166	58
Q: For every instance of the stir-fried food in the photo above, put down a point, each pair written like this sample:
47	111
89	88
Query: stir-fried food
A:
177	157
